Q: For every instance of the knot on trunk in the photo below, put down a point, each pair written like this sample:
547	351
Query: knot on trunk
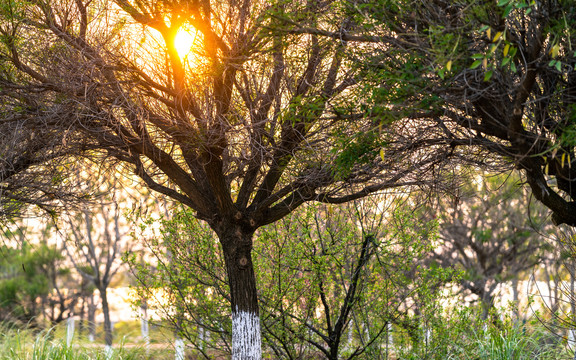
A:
243	261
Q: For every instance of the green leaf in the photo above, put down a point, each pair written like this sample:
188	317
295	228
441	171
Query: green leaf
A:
475	64
513	67
488	75
505	61
441	73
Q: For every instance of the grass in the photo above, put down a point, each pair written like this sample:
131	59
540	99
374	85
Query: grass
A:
30	345
511	342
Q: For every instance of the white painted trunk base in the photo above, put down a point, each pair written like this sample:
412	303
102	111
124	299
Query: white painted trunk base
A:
69	331
108	352
179	349
572	339
427	336
246	340
144	328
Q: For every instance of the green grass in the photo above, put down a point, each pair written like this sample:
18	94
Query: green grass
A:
513	343
30	345
461	340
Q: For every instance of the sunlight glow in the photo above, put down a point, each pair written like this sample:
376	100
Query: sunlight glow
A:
183	41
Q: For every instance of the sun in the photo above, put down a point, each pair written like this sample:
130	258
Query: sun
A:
184	40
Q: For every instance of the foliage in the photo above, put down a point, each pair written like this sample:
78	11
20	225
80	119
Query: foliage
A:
335	276
491	80
181	276
24	280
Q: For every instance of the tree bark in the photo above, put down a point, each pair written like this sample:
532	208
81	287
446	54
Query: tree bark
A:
107	322
246	337
91	318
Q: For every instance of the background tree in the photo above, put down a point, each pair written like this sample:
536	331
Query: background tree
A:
244	129
94	244
39	288
28	282
486	233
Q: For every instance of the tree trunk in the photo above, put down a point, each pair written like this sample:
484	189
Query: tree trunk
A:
572	298
144	322
246	338
106	312
91	318
82	316
69	330
515	297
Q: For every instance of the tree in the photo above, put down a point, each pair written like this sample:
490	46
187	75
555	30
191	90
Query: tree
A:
486	233
491	80
341	277
25	282
338	278
36	282
248	126
94	248
183	279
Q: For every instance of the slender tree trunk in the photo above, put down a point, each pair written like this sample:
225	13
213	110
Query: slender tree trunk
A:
91	318
106	312
82	316
515	298
246	337
572	298
144	322
69	330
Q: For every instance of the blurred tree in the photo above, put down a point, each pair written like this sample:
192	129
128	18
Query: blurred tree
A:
486	232
95	246
38	288
23	283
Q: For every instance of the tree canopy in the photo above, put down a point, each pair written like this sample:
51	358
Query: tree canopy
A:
494	79
244	129
281	103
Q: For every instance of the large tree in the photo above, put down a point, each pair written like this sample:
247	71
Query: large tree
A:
494	79
246	127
